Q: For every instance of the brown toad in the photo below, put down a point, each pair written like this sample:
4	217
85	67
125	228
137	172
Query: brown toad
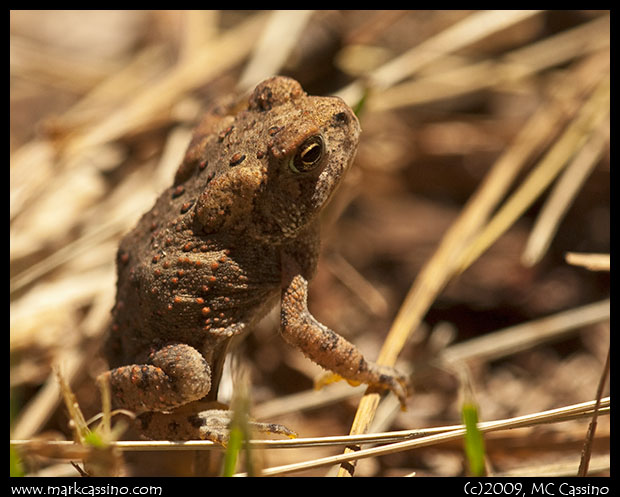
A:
234	235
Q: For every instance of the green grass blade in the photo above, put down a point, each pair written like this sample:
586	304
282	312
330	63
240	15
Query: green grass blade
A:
474	442
232	450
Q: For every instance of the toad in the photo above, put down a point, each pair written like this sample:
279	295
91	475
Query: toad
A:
236	234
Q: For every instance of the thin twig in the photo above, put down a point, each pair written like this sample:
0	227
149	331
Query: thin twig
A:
587	446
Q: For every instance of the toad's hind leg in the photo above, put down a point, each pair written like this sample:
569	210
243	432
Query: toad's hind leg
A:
211	424
173	375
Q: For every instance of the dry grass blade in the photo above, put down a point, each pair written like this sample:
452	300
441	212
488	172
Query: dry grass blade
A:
44	64
590	117
73	249
527	335
593	262
223	53
474	28
22	186
96	104
78	422
202	26
563	194
308	399
357	284
274	46
33	417
513	67
562	47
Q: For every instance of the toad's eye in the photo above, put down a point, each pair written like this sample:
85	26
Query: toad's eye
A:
308	155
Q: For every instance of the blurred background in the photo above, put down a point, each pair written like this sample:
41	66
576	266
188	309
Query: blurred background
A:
102	104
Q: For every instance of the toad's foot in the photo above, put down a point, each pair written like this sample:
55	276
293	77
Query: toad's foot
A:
212	424
385	378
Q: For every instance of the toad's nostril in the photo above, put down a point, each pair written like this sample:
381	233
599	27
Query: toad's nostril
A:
341	118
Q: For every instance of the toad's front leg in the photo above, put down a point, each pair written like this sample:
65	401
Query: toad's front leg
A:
325	347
